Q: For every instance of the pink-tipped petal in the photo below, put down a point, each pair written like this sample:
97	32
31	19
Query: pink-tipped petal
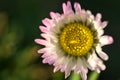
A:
102	66
49	59
77	8
106	40
98	17
41	41
103	55
67	8
83	11
43	50
64	8
104	24
47	22
55	16
44	35
43	29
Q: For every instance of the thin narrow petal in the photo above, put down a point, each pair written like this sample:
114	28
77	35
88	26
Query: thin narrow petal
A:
47	22
98	70
104	24
106	40
55	16
41	41
99	63
56	68
43	50
81	68
58	63
69	67
91	63
84	76
67	74
67	8
44	35
77	8
102	54
101	66
98	17
100	31
49	59
47	54
43	29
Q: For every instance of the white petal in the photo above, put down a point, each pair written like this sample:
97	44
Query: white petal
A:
89	12
101	66
105	40
68	70
104	24
102	54
99	63
84	76
56	68
98	70
58	63
68	66
67	74
50	38
81	68
100	32
91	63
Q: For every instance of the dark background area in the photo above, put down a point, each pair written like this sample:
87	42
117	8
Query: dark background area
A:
19	22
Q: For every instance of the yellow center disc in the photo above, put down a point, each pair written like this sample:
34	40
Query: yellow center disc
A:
76	39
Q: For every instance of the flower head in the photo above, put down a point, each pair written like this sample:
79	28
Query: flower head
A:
73	40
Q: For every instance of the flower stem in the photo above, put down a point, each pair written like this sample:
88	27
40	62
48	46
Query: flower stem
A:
94	76
75	76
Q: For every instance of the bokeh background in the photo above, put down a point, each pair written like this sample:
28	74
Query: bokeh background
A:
19	22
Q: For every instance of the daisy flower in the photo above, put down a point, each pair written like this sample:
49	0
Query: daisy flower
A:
72	40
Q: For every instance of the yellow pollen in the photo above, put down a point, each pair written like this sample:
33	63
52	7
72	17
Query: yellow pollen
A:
76	39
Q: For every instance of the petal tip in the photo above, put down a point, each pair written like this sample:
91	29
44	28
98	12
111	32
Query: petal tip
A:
36	40
111	40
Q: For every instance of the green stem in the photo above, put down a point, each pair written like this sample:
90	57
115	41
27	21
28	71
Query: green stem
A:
93	76
75	76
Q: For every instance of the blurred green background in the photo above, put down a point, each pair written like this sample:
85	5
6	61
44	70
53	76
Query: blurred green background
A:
19	22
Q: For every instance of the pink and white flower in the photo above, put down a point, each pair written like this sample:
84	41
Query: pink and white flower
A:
54	53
